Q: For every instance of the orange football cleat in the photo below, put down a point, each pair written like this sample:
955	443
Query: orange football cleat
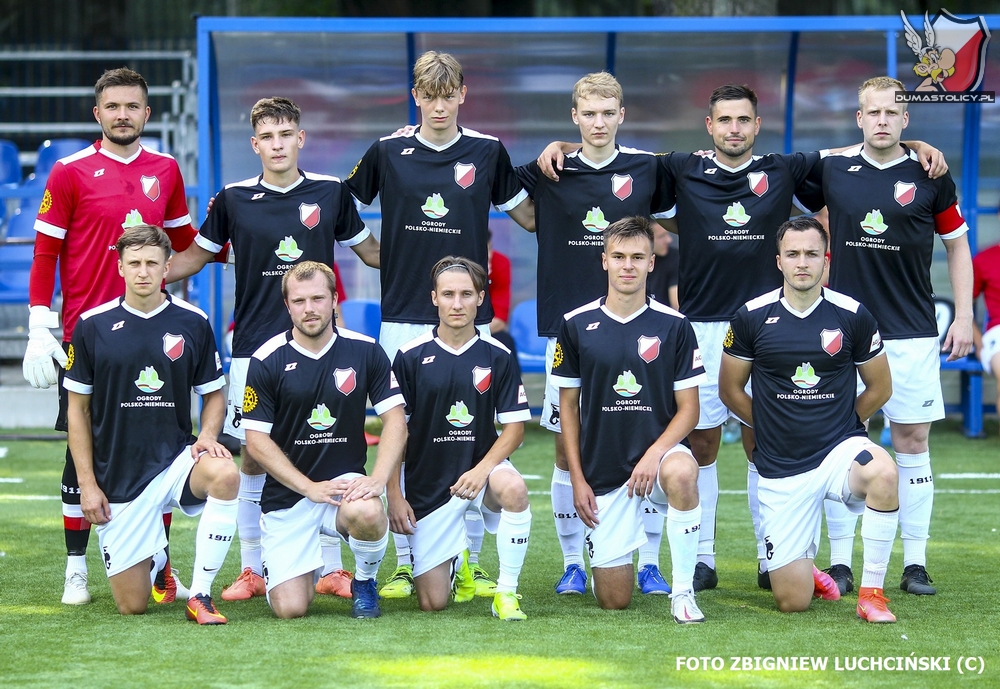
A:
201	610
246	586
336	583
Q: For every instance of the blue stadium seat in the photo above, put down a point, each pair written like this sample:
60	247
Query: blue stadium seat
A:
22	223
10	166
524	329
52	150
15	267
362	315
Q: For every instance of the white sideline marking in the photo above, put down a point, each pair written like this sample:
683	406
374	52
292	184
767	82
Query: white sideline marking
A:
28	497
531	477
11	480
3	452
539	492
961	476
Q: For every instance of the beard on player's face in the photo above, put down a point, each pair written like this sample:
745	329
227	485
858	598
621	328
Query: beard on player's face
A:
124	139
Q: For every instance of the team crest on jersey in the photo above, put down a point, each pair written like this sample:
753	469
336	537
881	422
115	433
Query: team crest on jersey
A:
621	186
150	187
758	182
649	348
309	214
832	341
173	346
346	380
904	192
481	378
465	174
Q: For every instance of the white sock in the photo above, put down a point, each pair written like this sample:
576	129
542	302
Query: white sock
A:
916	500
76	563
652	523
367	556
332	559
248	519
569	528
841	524
159	560
753	478
215	534
402	545
512	544
682	536
474	528
708	493
877	531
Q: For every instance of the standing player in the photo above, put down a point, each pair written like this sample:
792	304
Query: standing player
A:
628	369
884	213
455	383
129	372
436	186
727	207
804	347
274	220
304	413
90	197
601	183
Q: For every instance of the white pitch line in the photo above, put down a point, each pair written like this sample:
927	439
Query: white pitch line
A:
532	477
11	480
28	497
973	475
3	452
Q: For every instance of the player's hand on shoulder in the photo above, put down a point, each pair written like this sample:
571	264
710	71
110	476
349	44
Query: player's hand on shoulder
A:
932	160
208	208
406	130
704	153
363	488
94	505
551	161
470	483
401	517
645	474
585	504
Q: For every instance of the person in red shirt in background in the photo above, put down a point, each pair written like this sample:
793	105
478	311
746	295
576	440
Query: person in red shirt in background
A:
498	267
986	281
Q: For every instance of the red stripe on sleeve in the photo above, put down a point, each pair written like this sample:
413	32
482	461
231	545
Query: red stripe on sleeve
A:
948	220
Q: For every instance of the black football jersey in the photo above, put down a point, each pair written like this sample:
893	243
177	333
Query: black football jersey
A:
570	217
313	405
804	376
664	275
883	218
628	371
452	398
272	229
726	220
139	369
435	203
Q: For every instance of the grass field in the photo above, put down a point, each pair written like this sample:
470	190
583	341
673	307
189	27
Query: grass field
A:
566	642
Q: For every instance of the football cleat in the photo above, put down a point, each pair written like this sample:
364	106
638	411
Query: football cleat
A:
75	589
651	581
824	586
763	579
485	587
464	586
400	584
507	608
336	583
201	610
171	590
574	581
365	599
916	581
247	585
684	608
872	606
843	576
705	577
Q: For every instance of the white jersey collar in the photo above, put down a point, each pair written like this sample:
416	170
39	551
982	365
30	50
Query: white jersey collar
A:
631	317
745	165
283	190
456	352
597	166
800	314
305	352
118	158
143	314
907	154
435	147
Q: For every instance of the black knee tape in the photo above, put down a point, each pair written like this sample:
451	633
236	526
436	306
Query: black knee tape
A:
864	458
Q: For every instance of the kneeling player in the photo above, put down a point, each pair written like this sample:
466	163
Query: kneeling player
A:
629	368
455	382
131	368
804	346
304	414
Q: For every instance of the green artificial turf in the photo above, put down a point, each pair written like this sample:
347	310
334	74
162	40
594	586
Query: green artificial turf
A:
566	641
